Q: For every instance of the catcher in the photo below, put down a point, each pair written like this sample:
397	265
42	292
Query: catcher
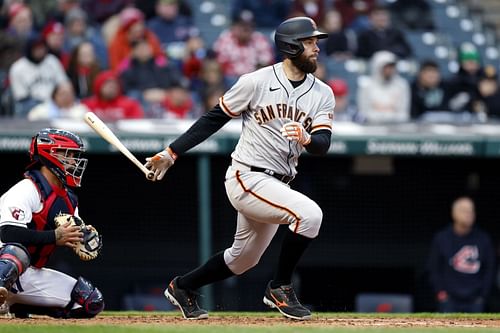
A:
38	214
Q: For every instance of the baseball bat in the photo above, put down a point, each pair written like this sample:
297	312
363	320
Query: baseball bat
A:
105	132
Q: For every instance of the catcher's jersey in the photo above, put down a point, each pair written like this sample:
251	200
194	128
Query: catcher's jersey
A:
28	206
266	100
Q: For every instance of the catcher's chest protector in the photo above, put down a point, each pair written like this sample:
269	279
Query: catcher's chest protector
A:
55	201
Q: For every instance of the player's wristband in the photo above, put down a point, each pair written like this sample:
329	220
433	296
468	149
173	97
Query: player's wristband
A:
171	153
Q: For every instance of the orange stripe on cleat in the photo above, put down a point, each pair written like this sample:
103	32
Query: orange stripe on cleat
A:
278	303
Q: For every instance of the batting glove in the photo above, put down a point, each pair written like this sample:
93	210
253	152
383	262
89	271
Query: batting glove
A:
160	163
294	131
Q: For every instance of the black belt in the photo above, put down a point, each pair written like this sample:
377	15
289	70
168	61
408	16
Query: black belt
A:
283	178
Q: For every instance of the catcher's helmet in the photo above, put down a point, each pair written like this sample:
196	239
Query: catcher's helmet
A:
60	151
289	34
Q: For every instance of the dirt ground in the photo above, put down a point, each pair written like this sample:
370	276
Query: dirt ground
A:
264	321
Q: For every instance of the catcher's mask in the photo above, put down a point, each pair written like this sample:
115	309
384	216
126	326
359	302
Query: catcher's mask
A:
290	34
60	151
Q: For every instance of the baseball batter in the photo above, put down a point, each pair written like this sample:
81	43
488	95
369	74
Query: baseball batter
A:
28	235
284	109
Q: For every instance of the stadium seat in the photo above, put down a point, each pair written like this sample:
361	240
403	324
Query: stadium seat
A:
211	17
374	302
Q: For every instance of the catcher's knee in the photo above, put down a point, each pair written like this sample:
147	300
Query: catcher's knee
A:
14	260
309	225
88	296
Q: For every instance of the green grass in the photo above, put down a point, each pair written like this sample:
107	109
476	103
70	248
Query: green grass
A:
170	323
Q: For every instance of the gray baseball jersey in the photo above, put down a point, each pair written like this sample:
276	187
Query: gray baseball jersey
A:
266	100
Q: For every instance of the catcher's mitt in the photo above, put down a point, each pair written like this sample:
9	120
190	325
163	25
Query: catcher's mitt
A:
91	245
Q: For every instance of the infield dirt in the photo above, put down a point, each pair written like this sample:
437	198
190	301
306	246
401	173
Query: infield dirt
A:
244	320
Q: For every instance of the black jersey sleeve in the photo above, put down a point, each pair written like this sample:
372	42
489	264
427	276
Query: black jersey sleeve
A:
204	127
320	142
25	236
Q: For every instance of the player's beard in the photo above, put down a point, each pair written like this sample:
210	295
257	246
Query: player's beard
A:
305	64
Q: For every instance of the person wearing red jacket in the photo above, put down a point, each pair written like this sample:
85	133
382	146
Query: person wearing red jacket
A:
109	103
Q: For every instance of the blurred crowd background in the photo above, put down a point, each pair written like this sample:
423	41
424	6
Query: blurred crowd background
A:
386	60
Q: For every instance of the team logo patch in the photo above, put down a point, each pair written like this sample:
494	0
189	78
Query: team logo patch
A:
17	213
466	260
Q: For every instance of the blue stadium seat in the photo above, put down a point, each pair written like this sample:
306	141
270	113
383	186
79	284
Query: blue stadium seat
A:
211	17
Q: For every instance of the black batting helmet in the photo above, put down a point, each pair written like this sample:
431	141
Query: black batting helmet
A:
289	34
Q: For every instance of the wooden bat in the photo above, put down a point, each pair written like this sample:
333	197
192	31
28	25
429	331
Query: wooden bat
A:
103	130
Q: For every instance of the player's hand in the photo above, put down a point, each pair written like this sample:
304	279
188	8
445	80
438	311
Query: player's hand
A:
68	235
160	163
294	131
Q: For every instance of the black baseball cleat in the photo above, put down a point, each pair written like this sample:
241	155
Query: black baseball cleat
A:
185	300
284	299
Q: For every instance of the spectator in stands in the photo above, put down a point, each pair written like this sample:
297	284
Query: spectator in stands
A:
488	101
211	97
345	111
83	68
385	95
428	91
314	9
179	103
355	13
382	36
341	43
147	81
21	23
464	85
62	104
78	30
241	49
170	26
132	28
11	49
149	8
461	262
211	78
108	101
61	10
193	59
101	10
267	13
34	76
53	34
412	15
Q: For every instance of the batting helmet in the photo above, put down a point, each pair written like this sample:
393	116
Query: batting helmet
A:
60	151
289	34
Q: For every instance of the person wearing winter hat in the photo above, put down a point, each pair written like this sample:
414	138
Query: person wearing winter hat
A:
345	111
34	76
20	24
53	34
132	29
463	85
109	103
78	30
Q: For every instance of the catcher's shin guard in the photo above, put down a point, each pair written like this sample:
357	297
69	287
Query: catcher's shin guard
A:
14	260
86	295
83	293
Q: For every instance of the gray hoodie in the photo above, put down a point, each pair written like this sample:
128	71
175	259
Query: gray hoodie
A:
382	100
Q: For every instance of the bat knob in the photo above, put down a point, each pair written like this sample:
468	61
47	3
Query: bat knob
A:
150	175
